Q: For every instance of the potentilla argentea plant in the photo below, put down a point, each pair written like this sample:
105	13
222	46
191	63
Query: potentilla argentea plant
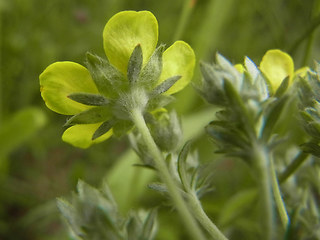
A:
265	114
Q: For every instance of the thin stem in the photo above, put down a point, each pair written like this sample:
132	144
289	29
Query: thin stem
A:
293	166
260	157
202	217
164	173
188	5
277	196
308	32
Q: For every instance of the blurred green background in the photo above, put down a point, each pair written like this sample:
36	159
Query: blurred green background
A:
36	166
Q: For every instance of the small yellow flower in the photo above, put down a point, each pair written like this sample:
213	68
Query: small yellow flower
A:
277	65
122	34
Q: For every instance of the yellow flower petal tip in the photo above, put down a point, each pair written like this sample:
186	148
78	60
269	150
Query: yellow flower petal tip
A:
239	67
124	31
277	65
59	80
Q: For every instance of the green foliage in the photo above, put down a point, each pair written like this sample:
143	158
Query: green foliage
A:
93	214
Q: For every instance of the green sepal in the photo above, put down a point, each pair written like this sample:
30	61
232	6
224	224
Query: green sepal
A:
104	128
165	85
272	117
211	88
92	115
107	78
283	87
182	170
236	103
89	99
121	127
135	65
159	101
226	134
152	70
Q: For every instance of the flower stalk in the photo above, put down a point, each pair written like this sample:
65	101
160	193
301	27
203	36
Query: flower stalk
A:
160	164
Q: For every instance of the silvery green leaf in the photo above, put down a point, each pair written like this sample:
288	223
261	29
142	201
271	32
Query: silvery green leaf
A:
135	64
108	79
149	226
69	212
251	68
182	169
90	99
272	117
152	70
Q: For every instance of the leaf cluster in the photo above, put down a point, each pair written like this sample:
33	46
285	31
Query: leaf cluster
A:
93	214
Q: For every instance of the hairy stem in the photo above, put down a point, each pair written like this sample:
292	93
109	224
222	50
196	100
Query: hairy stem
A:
278	198
165	176
293	166
260	156
202	217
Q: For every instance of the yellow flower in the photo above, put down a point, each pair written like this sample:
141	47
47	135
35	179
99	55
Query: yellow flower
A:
93	94
277	65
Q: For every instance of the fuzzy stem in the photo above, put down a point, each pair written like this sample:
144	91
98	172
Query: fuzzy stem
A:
260	157
164	173
293	166
202	217
278	198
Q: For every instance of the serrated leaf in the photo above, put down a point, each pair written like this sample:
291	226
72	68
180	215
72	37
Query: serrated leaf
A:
135	64
182	170
165	85
90	99
104	128
92	115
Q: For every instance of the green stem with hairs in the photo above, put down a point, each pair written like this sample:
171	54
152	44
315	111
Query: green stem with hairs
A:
260	157
173	190
202	217
277	196
293	166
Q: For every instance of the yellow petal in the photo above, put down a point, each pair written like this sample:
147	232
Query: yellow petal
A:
59	80
239	67
81	135
302	72
124	31
277	65
178	59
